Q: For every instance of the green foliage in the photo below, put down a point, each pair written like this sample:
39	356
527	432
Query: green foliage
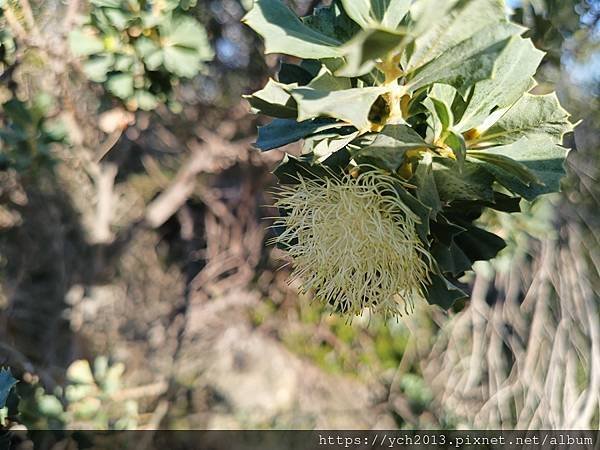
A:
414	387
7	43
7	382
27	135
436	93
139	49
91	399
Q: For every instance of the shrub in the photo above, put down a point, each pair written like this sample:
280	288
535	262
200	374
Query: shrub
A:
139	49
433	95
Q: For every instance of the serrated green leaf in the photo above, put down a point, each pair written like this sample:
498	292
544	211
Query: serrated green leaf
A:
362	52
181	61
541	156
373	13
296	74
478	244
186	32
292	168
387	148
443	24
351	105
273	100
123	63
325	149
473	183
326	81
281	132
468	62
456	142
419	208
513	74
443	293
426	188
511	174
439	104
530	117
283	32
450	259
333	22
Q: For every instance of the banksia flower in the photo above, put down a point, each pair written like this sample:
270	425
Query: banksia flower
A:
435	97
354	243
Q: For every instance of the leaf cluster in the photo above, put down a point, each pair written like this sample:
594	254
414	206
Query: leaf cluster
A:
90	400
439	93
7	43
139	49
27	134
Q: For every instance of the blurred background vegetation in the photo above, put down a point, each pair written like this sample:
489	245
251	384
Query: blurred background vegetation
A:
136	288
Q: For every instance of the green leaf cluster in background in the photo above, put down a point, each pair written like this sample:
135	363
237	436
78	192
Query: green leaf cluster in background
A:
27	133
93	398
139	49
7	43
439	93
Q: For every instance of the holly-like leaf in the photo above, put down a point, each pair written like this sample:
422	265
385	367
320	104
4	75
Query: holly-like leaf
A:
514	70
539	155
510	173
440	25
351	105
439	104
292	168
362	52
281	132
372	13
327	81
457	144
443	293
530	117
451	259
284	32
153	46
387	149
472	183
427	191
273	100
332	21
478	244
119	18
468	62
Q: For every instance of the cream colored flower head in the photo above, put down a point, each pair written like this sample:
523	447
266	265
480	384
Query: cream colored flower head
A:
354	243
